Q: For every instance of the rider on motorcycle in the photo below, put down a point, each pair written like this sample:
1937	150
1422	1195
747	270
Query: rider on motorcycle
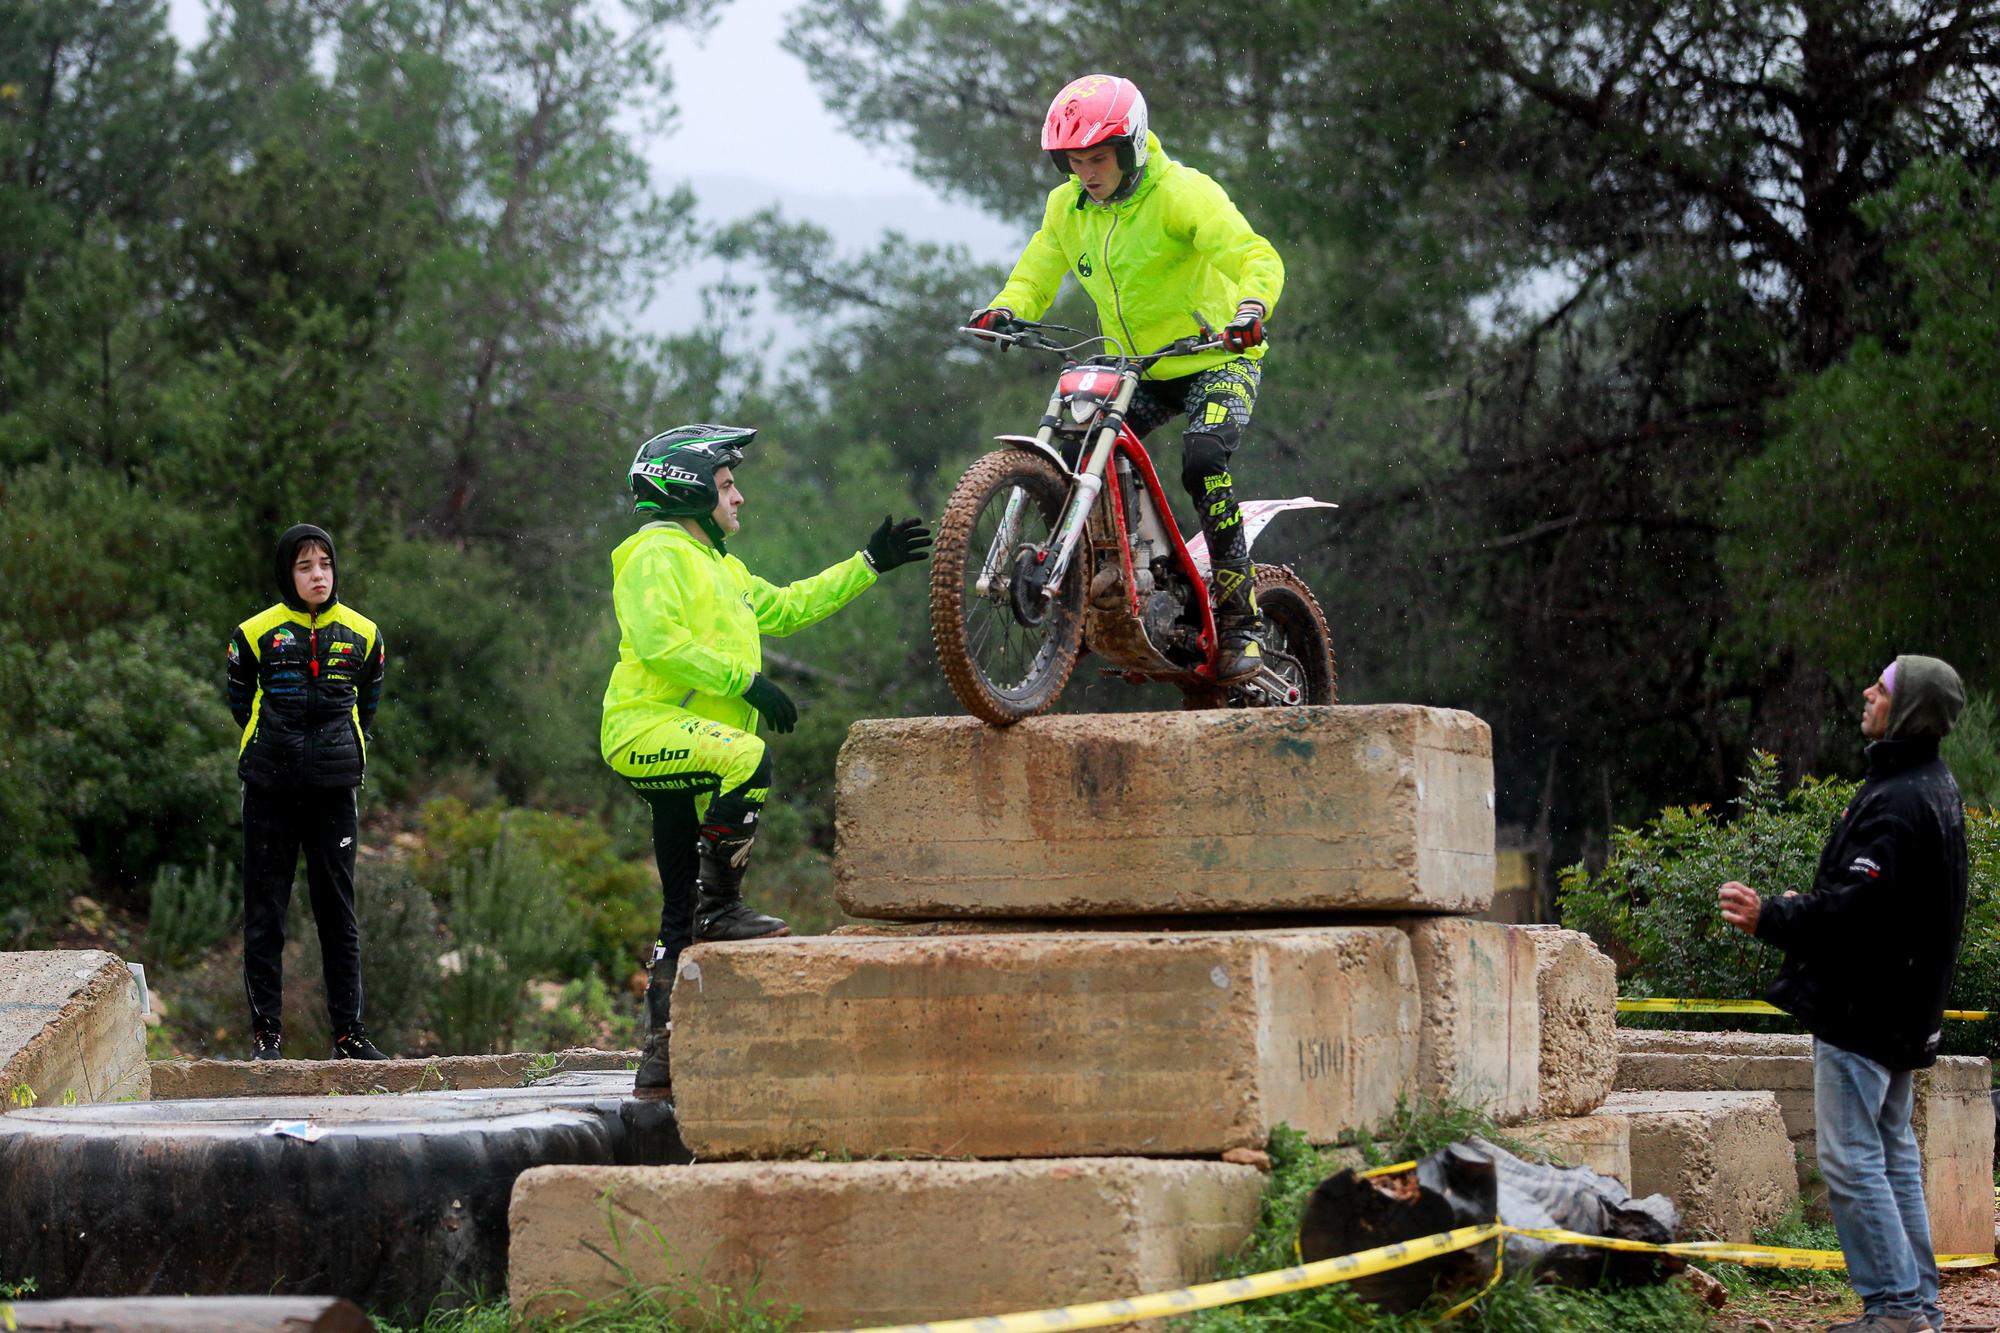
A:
681	708
1152	240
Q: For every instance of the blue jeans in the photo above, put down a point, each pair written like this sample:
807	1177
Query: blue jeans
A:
1875	1182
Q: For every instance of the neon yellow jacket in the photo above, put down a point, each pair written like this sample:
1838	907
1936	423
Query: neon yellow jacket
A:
1174	245
689	621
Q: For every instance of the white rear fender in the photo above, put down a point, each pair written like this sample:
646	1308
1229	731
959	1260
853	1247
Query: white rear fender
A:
1257	515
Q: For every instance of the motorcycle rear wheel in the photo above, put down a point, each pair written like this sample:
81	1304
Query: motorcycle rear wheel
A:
1294	628
1001	668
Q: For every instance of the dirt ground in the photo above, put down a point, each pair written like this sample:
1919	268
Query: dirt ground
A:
1970	1297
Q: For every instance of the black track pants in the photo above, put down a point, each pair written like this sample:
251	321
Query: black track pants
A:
277	826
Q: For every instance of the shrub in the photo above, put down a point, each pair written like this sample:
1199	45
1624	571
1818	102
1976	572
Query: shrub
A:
612	902
1973	751
192	910
509	923
131	749
1653	905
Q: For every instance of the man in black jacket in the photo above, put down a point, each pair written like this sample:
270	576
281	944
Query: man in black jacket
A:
1869	956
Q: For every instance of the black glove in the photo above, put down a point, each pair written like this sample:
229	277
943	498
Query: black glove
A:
1247	329
897	544
777	707
993	319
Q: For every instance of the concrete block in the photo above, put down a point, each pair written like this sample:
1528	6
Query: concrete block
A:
1953	1116
1601	1142
1264	810
868	1243
1722	1157
1954	1122
1481	1027
1040	1045
1576	989
70	1023
186	1080
1788	1078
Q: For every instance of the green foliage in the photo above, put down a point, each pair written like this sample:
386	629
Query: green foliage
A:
1884	467
192	909
609	906
132	751
1653	904
1792	1231
477	682
508	923
1973	752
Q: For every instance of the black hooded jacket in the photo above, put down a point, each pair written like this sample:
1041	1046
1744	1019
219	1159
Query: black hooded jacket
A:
304	685
1870	952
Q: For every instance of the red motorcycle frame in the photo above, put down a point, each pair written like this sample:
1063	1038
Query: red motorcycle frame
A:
1086	554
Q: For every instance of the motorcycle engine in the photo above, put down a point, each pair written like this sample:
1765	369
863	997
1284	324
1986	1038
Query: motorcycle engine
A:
1160	613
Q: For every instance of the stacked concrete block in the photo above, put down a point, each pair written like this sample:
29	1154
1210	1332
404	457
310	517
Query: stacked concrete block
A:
1954	1113
1107	941
1601	1142
70	1028
1310	809
867	1243
1041	1045
1576	989
1481	1041
1723	1157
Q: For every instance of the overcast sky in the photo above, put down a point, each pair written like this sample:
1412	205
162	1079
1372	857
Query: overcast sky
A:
751	132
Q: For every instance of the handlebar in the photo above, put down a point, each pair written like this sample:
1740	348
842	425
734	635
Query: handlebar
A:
1027	333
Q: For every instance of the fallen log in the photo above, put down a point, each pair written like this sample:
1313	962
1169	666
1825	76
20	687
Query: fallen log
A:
1471	1184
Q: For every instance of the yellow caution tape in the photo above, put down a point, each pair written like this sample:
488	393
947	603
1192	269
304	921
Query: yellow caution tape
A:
1325	1272
1669	1006
1160	1305
1398	1168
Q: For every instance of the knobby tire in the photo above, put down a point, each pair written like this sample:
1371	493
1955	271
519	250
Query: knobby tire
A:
954	564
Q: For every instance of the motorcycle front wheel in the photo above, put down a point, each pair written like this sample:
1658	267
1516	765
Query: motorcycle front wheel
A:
1006	648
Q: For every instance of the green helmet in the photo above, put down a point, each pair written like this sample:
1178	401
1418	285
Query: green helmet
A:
673	474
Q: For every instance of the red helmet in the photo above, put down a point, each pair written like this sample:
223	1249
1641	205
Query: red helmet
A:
1095	109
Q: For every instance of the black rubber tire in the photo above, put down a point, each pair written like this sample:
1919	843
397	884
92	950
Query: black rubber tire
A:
1294	622
985	483
400	1205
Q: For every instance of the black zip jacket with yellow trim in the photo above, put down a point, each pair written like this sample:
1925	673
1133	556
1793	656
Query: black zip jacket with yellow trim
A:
304	685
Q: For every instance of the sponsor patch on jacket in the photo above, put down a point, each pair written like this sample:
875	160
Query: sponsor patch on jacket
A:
283	638
1866	867
234	656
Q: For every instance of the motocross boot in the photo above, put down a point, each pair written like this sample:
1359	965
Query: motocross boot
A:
1239	627
655	1078
720	914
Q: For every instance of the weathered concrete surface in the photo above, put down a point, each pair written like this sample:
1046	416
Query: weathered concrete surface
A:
1481	1036
179	1080
1040	1045
1601	1142
70	1023
1576	987
1954	1122
1261	810
867	1243
1722	1157
1953	1113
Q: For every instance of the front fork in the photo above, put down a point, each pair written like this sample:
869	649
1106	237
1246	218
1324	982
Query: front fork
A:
1075	519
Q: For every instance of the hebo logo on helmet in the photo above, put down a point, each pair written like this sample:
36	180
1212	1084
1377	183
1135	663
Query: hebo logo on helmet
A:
667	472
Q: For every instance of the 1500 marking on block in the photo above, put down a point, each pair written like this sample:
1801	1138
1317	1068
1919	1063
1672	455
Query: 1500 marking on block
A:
1319	1057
